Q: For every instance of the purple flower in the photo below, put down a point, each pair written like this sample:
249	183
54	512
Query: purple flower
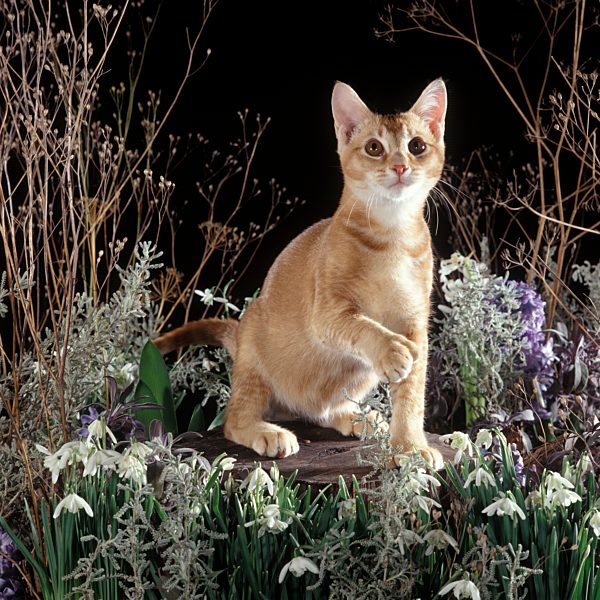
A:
9	577
538	352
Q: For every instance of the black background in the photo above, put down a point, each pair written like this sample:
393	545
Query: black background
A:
281	60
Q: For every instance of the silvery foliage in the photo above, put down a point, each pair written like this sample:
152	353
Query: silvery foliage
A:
180	483
100	339
589	275
204	370
479	334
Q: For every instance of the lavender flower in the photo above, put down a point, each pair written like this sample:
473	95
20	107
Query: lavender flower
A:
538	353
9	578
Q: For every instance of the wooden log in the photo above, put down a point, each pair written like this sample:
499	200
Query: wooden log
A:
324	454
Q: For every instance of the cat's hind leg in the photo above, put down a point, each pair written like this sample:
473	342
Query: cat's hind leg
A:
245	423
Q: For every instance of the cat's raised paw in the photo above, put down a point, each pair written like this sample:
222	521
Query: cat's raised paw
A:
276	443
395	363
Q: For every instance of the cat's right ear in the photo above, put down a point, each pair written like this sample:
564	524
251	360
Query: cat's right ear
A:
349	111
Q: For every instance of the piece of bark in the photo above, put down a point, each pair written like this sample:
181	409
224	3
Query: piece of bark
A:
324	454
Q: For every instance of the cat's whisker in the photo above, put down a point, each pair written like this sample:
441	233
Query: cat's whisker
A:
369	206
351	209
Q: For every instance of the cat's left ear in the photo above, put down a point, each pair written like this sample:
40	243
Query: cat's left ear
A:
349	111
431	107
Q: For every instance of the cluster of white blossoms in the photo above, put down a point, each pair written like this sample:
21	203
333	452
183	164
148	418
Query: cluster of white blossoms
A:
94	457
270	517
555	490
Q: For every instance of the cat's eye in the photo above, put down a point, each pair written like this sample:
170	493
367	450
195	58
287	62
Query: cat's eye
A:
417	146
374	148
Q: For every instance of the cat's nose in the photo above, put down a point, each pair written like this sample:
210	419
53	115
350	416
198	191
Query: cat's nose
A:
400	169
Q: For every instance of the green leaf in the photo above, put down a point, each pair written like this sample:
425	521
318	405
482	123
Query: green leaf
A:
155	386
197	419
218	420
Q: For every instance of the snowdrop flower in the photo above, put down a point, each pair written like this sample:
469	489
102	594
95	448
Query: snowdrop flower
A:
206	296
460	442
584	464
258	479
534	500
564	497
504	505
595	522
484	438
132	465
230	486
419	479
270	521
480	475
225	463
72	503
346	508
274	472
297	567
438	539
423	502
68	454
100	458
554	481
408	538
463	588
99	430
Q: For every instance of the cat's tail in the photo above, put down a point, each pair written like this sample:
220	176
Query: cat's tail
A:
213	332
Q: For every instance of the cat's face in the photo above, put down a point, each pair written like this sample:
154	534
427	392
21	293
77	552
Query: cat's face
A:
391	158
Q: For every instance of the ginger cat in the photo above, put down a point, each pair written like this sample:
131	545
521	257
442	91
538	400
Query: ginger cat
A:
346	304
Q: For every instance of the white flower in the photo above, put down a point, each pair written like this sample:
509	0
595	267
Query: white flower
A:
99	429
132	465
73	503
227	304
68	454
258	479
270	521
595	522
484	438
554	481
419	479
504	506
534	500
297	567
463	588
346	508
100	458
564	497
584	464
423	502
224	462
460	442
206	296
124	374
480	475
439	539
408	538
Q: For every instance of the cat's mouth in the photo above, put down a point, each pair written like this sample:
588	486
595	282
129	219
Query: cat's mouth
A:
398	183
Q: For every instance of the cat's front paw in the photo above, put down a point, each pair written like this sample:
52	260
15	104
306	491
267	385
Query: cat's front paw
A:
396	360
276	442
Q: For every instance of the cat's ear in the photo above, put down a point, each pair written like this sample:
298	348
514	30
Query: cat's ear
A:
349	111
431	107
